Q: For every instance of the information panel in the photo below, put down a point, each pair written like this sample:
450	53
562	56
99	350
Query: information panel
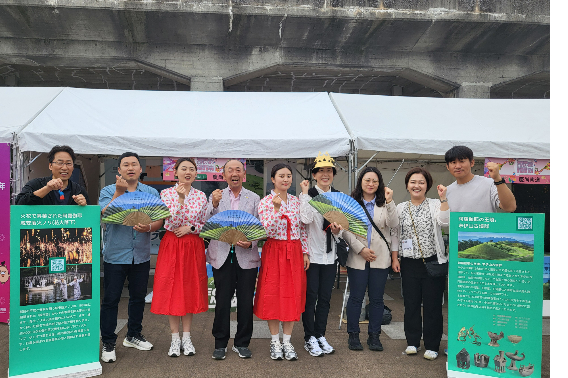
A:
54	291
495	295
4	232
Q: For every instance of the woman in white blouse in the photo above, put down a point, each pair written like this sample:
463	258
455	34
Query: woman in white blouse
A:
419	240
323	265
180	281
281	288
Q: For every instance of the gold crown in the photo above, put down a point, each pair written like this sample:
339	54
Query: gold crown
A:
324	161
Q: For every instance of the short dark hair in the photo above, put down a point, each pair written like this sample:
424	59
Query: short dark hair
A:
181	160
458	153
357	193
278	167
57	149
316	170
224	165
128	154
421	171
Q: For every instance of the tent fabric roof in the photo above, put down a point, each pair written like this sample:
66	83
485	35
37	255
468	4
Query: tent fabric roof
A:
20	106
491	128
219	124
269	125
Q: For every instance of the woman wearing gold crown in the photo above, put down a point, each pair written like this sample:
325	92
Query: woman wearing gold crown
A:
322	247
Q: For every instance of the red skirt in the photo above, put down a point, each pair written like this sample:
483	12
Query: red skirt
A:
180	281
281	287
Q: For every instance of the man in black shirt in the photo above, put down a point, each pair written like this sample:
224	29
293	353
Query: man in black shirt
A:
56	189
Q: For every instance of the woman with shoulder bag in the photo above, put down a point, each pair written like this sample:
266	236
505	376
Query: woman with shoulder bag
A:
423	261
369	259
322	247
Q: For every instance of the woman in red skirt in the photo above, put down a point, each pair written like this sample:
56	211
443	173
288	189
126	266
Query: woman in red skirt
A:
180	281
281	288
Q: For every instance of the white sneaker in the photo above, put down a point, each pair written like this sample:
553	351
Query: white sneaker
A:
276	350
289	352
174	348
108	354
324	345
187	346
312	346
411	350
430	355
138	342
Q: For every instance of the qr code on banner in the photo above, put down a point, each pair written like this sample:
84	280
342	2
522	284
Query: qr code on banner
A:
56	265
524	223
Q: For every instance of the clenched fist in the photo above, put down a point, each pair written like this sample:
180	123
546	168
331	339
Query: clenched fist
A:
181	191
216	197
121	185
388	194
442	191
493	169
277	202
305	185
55	184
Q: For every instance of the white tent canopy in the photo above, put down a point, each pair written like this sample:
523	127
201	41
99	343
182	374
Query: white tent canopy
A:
219	124
430	126
19	106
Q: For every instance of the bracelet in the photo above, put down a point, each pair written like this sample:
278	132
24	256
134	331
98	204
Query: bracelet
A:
446	200
150	230
499	182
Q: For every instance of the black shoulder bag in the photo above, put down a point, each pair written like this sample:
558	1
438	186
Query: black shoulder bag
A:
433	268
375	226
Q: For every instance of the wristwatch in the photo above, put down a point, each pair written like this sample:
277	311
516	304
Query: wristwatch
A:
442	201
192	228
499	182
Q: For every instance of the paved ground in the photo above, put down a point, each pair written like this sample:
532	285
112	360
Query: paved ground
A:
155	363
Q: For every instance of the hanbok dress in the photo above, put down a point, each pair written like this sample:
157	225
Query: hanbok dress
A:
180	280
281	287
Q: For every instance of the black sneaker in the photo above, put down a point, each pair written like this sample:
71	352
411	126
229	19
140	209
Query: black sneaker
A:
354	343
373	342
219	353
243	352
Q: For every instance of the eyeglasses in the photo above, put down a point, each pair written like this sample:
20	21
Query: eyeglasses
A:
369	181
62	163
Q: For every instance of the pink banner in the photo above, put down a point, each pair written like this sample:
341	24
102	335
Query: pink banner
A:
208	169
522	171
4	232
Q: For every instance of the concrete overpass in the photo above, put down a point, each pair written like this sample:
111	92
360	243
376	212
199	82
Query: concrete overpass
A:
434	48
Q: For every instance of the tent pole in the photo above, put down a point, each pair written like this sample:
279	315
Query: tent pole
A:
367	162
355	167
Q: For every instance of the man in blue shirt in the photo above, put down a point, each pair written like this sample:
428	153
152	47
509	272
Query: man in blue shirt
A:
126	253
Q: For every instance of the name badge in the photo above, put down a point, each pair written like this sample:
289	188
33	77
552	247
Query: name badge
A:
407	246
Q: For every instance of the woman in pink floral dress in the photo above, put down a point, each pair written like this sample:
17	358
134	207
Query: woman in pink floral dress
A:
281	288
180	281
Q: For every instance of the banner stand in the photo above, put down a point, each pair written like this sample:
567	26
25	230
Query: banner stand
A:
78	371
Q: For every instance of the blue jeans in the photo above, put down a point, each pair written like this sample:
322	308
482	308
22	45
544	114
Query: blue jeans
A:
115	276
359	280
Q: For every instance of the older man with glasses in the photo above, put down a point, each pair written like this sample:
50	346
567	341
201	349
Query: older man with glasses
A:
56	189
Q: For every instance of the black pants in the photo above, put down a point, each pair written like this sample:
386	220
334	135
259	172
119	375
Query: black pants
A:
228	278
320	280
115	276
419	288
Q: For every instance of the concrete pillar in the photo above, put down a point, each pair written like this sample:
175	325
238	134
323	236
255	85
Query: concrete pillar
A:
474	90
207	84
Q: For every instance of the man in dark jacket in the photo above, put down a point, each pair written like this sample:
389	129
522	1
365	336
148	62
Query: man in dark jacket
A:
56	189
